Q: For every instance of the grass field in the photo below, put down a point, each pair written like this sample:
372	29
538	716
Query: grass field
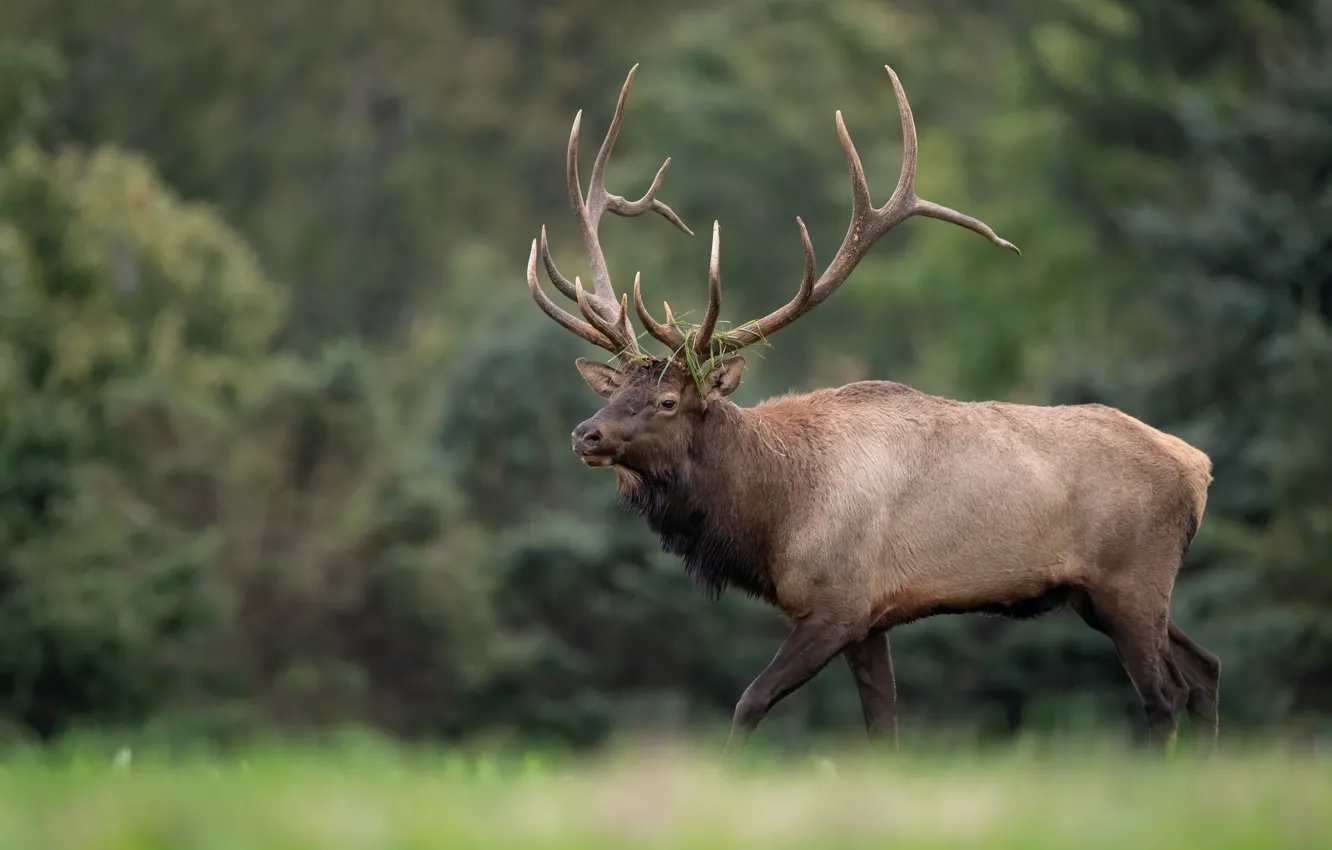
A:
280	799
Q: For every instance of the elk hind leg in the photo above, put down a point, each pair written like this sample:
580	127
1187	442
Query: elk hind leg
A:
1202	671
871	663
1137	625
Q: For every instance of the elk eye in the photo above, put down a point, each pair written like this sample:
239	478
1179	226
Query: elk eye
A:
667	404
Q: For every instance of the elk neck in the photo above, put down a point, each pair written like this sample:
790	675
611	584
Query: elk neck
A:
718	505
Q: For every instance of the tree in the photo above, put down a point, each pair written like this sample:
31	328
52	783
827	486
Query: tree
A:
1251	271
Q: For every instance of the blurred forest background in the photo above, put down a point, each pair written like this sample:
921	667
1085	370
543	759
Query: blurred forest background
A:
284	440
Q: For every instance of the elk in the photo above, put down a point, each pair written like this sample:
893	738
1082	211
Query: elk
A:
856	509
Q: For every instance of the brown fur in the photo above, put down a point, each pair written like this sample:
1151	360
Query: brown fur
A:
872	505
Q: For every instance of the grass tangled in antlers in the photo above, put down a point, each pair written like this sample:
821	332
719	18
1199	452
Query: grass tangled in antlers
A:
722	346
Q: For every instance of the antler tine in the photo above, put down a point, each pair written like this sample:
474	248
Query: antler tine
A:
929	209
601	307
618	330
905	203
861	206
649	202
561	282
703	338
589	210
667	334
591	241
600	200
867	226
596	187
744	336
906	180
741	337
583	329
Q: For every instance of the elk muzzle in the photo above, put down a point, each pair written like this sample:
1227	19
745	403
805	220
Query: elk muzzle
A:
594	445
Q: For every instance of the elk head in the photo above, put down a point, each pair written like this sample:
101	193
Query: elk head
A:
655	406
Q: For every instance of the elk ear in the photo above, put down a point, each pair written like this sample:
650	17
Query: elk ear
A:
724	378
603	379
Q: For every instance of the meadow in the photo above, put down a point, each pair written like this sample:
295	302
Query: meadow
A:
664	796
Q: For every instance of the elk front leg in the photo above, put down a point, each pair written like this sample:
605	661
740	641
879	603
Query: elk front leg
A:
808	649
871	662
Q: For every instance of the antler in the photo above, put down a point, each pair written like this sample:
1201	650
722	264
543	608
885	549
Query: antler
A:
867	226
607	321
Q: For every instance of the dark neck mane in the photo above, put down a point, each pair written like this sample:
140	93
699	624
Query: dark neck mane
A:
699	509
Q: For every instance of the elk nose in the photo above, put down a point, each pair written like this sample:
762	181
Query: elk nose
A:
586	436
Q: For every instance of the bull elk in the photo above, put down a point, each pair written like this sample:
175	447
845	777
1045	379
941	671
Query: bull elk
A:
857	509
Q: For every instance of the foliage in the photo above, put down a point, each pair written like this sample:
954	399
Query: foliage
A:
111	288
28	75
189	519
1251	270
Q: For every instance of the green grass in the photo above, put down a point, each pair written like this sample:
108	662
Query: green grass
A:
376	798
